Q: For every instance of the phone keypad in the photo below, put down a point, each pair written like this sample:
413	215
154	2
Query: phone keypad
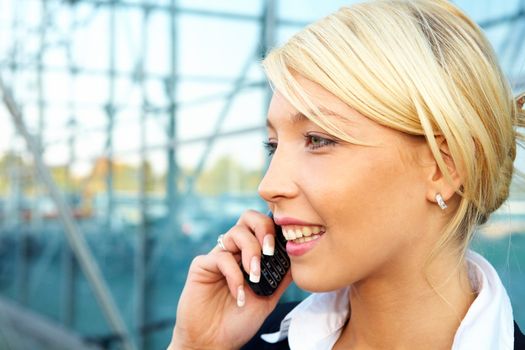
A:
273	268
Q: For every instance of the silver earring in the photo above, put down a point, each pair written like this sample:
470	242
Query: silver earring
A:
441	201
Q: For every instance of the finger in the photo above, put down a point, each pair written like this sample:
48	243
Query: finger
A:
252	231
234	277
227	242
250	249
239	239
262	226
221	265
258	224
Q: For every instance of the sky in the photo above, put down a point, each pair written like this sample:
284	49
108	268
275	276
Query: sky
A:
208	47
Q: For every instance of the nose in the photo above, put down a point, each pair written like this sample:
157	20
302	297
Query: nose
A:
279	181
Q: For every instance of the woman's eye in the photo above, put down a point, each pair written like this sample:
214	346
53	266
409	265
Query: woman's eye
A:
270	147
312	142
315	141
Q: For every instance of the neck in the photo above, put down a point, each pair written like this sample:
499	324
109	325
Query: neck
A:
410	312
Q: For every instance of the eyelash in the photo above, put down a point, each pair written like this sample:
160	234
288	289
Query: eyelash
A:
271	147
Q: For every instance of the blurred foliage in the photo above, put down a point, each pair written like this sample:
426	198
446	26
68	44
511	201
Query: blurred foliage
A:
226	175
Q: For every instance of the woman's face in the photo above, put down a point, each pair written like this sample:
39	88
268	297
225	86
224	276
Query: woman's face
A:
368	200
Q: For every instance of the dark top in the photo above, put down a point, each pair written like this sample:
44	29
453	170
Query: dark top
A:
270	325
273	323
519	338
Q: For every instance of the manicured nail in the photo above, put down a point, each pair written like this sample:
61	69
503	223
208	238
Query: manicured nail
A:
240	296
268	245
255	270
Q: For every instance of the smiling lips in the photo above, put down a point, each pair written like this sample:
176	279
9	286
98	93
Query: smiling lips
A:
302	234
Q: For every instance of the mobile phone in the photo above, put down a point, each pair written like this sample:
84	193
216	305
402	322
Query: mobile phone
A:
273	268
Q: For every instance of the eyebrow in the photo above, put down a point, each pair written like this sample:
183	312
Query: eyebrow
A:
300	117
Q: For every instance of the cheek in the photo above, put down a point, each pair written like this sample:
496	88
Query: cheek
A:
379	203
345	185
365	205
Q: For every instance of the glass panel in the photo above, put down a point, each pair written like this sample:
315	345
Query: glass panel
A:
95	54
215	47
252	7
157	57
309	10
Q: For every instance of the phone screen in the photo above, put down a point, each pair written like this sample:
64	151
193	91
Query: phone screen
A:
273	268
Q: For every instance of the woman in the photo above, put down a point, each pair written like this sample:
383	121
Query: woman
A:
393	133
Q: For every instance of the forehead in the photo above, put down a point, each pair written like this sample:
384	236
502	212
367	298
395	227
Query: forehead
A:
357	128
282	112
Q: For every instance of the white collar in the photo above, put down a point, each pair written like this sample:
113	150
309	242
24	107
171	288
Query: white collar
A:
317	321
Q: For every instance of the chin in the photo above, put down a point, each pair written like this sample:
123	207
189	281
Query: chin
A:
308	281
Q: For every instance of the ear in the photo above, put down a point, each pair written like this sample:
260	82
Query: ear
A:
437	181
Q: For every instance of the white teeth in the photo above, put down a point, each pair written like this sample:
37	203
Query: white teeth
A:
306	231
306	239
301	234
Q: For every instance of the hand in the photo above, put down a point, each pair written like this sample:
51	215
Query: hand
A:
217	310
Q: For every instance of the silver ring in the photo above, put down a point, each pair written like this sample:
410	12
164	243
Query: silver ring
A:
221	243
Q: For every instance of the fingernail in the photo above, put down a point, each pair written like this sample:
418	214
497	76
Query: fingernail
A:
255	270
240	296
268	245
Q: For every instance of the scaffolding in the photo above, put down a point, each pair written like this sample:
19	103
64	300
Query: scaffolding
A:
53	54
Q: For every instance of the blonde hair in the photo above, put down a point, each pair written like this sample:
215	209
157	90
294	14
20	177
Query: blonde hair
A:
422	68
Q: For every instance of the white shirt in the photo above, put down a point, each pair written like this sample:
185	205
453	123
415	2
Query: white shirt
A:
316	322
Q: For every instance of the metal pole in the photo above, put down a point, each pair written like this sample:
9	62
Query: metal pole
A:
142	247
110	111
72	231
68	286
69	265
269	20
171	90
22	264
15	193
36	217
